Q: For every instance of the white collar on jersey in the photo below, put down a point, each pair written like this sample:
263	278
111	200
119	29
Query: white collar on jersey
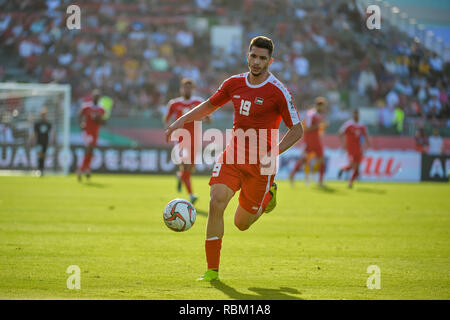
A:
257	85
191	99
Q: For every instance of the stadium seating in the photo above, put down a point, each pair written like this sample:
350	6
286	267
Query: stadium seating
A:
135	51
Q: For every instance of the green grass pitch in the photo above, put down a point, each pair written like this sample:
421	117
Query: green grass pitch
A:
315	245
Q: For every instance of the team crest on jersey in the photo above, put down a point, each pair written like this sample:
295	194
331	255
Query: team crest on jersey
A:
259	101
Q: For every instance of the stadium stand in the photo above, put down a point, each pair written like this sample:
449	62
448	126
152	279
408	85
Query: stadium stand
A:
137	51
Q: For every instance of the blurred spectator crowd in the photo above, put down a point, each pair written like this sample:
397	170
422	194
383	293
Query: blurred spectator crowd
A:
136	51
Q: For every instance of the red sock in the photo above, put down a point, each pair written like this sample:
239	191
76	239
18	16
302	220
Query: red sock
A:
346	168
321	172
266	200
86	162
354	175
186	178
212	249
297	167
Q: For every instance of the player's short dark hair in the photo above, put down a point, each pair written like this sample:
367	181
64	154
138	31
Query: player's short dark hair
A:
262	42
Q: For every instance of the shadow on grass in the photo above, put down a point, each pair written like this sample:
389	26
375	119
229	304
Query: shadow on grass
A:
326	189
202	213
283	293
95	184
370	190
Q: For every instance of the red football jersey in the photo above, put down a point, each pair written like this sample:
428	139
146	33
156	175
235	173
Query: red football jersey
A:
179	106
261	106
90	112
312	137
354	135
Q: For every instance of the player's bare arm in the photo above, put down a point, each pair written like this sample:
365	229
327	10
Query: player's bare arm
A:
166	120
168	116
366	137
208	119
80	120
294	134
198	113
100	120
341	138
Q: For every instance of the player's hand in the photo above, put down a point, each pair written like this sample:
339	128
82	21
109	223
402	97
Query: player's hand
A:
98	118
82	125
268	164
265	161
101	121
178	124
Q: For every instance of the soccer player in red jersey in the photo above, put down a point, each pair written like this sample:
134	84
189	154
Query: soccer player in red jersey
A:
260	102
90	119
355	136
314	126
176	108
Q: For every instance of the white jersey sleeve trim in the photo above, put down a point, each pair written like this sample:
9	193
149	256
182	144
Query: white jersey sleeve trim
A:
289	100
345	125
86	104
240	75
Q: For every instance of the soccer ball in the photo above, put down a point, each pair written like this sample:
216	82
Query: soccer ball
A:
179	215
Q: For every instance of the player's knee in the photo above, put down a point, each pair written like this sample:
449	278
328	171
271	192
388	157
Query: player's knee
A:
241	225
217	204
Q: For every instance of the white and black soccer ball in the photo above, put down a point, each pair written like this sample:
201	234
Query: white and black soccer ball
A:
179	215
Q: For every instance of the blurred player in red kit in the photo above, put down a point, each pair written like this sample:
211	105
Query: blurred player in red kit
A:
260	102
176	108
90	119
314	126
355	137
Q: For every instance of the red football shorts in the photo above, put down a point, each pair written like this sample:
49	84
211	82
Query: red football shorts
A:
355	156
316	148
90	138
247	178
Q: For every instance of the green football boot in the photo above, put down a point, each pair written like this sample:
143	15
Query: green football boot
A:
273	202
210	275
193	198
